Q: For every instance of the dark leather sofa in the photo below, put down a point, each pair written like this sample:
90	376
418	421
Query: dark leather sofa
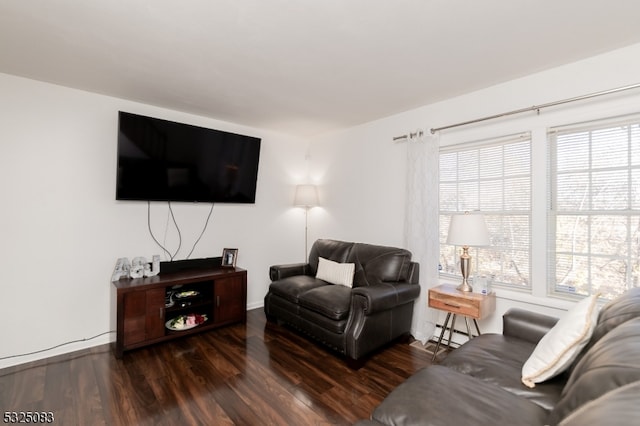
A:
480	382
353	321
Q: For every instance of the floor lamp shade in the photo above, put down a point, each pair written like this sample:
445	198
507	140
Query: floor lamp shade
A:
306	196
467	230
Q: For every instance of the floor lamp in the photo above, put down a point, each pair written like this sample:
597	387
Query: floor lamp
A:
306	197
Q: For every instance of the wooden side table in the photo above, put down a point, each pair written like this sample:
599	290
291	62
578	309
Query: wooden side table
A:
476	306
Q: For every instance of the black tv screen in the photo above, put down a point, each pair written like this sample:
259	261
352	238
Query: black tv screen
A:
161	160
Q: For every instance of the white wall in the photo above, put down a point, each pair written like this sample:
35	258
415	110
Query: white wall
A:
362	170
62	230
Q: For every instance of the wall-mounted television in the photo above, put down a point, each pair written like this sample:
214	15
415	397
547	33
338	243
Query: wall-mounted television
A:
161	160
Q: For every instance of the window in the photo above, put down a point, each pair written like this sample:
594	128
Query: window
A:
493	177
594	207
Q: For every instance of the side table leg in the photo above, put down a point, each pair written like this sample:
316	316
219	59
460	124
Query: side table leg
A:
475	321
444	327
466	321
453	325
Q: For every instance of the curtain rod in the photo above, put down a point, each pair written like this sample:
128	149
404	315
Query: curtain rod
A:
534	108
411	135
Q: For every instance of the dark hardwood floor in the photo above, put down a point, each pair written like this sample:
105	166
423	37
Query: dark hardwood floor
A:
256	373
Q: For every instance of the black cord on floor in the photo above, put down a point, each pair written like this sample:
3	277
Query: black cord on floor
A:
57	346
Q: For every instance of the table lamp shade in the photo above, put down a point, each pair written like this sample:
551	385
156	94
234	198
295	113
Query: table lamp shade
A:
468	229
306	196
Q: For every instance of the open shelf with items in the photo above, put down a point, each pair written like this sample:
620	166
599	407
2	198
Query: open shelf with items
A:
168	306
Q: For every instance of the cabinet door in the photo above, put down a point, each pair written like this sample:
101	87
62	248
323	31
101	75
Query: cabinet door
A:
154	323
143	316
230	299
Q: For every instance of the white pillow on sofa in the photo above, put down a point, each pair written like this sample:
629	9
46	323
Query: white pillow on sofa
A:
335	273
561	345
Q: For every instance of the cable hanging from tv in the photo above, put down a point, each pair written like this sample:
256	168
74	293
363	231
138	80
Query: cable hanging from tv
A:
175	223
202	233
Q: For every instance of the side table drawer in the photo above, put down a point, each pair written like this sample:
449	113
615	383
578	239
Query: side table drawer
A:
447	298
456	305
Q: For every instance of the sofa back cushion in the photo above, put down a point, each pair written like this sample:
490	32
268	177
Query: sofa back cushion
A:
612	361
614	313
337	251
375	264
618	407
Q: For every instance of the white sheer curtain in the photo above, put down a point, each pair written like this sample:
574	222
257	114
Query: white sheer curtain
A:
421	225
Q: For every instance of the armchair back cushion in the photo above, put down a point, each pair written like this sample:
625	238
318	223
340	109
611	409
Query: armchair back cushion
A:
378	264
373	264
337	251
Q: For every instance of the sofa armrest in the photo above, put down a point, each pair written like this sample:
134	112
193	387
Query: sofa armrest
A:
278	272
384	296
526	325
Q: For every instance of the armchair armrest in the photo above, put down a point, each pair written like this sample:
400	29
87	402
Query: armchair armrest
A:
278	272
526	325
384	296
414	273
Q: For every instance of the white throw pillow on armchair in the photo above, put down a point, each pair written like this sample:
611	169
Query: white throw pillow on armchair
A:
561	345
335	273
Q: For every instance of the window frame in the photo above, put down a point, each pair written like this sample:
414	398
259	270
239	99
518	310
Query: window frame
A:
452	252
554	212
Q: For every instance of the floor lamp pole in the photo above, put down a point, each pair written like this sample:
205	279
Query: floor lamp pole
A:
306	214
306	196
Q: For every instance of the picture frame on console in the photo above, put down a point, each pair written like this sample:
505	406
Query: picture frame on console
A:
229	257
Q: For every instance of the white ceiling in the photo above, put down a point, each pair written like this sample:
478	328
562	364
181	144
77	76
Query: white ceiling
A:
302	66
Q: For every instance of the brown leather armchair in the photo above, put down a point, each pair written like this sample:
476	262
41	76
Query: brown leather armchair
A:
353	321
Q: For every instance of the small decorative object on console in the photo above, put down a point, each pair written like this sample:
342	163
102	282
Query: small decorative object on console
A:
229	257
137	267
152	269
121	270
185	322
140	268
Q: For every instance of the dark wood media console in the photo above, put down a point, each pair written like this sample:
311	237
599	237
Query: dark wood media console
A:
145	306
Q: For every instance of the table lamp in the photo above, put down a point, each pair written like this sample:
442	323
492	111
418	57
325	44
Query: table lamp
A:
466	230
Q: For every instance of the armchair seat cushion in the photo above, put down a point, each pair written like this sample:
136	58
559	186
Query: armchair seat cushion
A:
292	287
332	301
335	327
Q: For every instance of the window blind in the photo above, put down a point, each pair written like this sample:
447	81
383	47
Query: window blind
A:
494	177
594	207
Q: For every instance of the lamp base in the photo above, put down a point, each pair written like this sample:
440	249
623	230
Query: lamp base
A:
465	268
464	287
